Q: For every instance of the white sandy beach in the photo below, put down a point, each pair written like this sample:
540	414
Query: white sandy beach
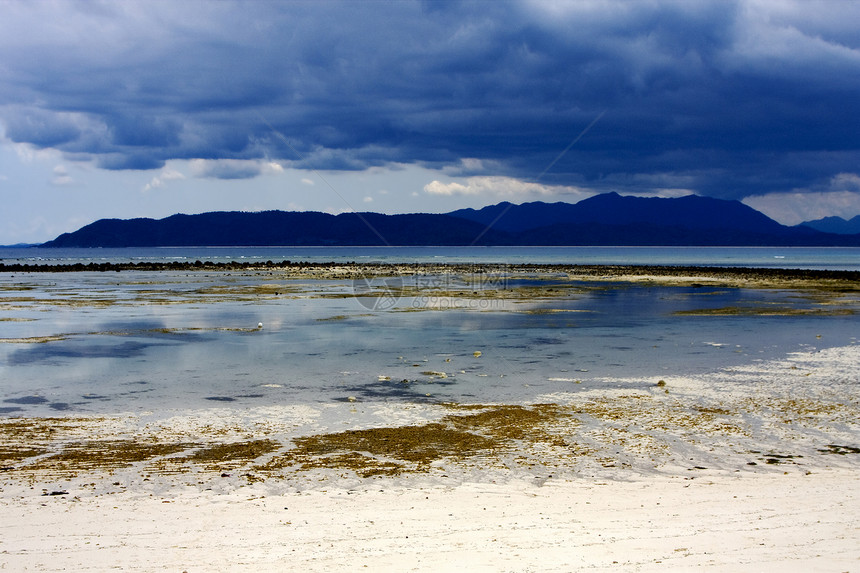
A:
792	522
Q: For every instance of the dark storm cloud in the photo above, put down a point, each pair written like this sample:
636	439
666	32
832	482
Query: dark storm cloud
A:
727	99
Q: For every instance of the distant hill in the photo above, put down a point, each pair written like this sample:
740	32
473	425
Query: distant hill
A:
835	225
612	219
608	219
279	228
691	212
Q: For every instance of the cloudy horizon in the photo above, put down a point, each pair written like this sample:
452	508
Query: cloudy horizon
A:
145	109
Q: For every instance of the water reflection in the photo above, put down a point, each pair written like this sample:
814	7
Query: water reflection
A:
61	352
316	347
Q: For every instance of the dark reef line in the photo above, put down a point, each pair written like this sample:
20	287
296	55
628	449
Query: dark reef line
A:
747	273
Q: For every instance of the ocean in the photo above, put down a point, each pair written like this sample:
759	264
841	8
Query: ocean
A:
93	343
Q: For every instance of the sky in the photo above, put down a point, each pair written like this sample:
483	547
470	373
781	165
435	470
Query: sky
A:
149	108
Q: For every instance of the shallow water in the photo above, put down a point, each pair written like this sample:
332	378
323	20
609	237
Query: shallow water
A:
137	342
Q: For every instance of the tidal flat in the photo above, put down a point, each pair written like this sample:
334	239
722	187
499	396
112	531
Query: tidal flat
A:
431	370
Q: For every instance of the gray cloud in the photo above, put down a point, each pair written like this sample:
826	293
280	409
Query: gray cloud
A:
227	168
723	98
41	128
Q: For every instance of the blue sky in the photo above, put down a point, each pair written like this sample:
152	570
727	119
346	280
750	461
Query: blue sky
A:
145	109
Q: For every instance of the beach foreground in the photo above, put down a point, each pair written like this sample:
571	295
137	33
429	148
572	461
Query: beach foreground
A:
740	470
795	522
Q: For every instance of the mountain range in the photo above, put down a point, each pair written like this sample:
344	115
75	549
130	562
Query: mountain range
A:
607	219
835	225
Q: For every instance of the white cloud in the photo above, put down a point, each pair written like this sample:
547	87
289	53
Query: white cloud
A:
498	186
368	199
845	182
159	180
272	168
662	193
439	188
61	176
473	166
307	181
27	153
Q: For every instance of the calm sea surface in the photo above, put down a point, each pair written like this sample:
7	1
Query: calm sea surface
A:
94	343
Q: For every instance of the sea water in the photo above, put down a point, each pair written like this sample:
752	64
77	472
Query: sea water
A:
96	343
